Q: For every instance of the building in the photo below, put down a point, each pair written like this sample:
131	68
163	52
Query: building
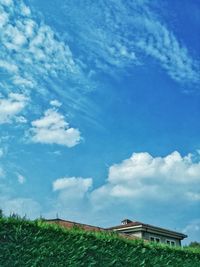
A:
149	232
132	230
70	224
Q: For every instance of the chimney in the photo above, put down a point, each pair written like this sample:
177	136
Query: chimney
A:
126	221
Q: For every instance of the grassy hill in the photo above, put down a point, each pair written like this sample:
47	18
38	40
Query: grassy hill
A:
37	244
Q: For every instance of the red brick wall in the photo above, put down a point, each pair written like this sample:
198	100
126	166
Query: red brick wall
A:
69	225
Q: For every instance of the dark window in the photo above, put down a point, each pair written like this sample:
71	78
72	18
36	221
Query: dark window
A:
171	242
155	239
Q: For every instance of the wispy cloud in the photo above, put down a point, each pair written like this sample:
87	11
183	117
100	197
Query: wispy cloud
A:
124	34
34	59
158	41
53	129
31	47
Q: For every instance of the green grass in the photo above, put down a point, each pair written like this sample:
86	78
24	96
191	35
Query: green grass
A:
31	244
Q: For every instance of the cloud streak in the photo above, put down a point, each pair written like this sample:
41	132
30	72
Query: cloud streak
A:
124	34
30	49
35	61
160	43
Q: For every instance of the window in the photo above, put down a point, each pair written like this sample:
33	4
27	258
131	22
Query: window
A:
154	239
171	242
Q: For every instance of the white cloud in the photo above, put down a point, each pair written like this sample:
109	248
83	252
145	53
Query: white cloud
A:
193	231
21	179
55	103
145	177
33	55
136	31
139	186
160	43
141	178
10	203
72	198
25	10
10	107
77	187
10	67
21	206
38	50
53	129
20	119
6	2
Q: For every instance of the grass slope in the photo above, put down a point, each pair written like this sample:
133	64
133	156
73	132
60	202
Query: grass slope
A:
31	244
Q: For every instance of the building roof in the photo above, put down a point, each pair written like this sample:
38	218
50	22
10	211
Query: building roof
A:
70	224
146	227
128	226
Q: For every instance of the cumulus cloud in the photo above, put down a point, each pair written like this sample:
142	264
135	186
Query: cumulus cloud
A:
72	198
143	176
138	186
76	187
53	129
11	106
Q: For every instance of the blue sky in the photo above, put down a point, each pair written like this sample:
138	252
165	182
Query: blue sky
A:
99	111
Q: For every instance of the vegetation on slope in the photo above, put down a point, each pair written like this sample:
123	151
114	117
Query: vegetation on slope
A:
38	244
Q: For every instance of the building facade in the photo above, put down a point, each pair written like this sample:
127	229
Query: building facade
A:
131	229
149	232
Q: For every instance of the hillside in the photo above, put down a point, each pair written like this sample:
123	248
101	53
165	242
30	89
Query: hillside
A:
37	244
